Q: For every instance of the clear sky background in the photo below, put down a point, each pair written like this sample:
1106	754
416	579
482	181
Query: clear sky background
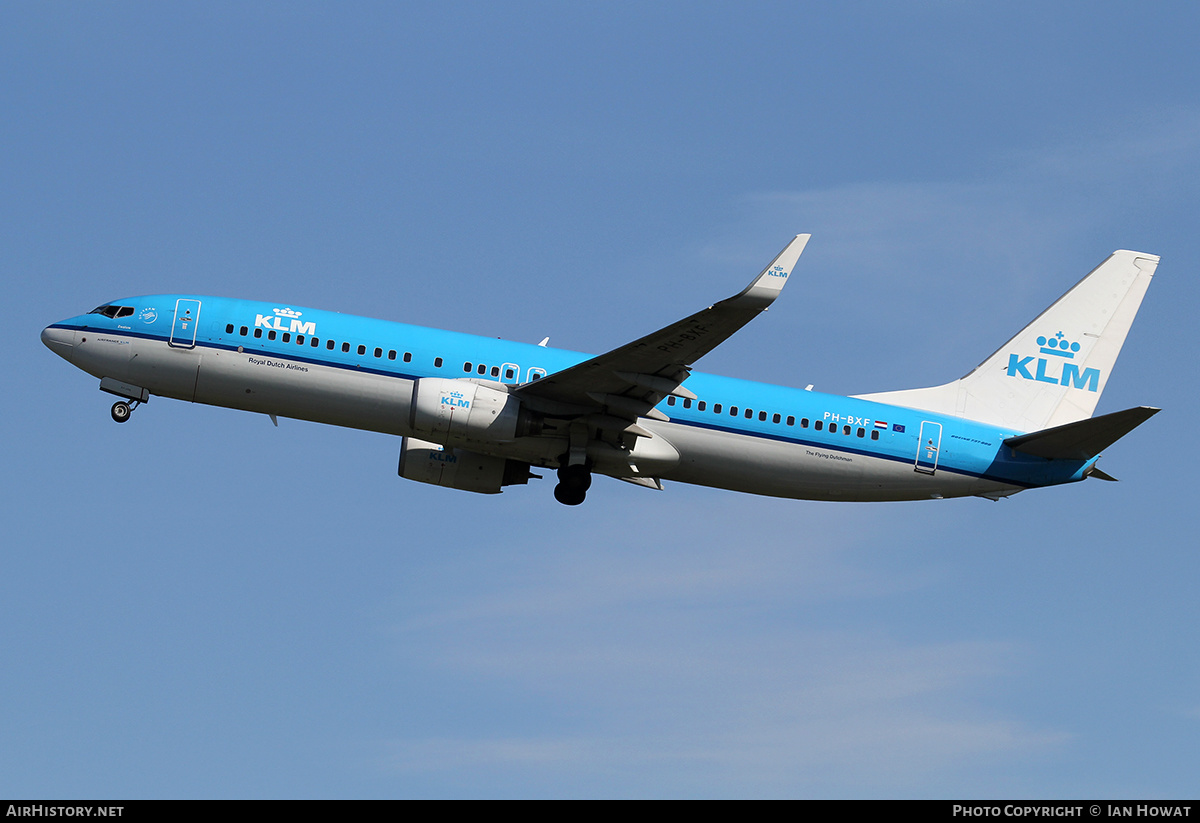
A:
198	604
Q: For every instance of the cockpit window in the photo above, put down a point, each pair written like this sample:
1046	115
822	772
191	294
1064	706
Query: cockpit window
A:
113	311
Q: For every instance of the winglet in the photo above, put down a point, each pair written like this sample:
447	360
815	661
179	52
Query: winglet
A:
766	287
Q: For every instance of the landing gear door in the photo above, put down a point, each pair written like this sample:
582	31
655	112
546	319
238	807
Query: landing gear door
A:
183	330
929	447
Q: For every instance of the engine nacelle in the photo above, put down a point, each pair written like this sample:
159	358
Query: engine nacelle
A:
443	408
457	468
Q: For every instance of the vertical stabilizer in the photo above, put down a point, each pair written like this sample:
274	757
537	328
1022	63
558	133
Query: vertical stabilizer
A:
1054	370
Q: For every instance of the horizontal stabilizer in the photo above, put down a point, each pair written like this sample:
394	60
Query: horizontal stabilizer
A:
1083	439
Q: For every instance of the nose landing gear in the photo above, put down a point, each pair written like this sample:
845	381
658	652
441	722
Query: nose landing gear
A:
131	397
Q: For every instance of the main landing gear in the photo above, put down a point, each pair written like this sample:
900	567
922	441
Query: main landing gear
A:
122	410
573	483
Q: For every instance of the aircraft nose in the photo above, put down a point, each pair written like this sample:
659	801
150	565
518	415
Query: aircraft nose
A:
59	341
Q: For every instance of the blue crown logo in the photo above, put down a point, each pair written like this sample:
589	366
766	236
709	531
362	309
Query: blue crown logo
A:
1059	346
456	394
777	272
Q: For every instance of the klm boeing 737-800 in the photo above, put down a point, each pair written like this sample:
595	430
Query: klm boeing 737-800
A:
479	414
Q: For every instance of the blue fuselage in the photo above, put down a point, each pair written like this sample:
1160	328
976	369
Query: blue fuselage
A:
360	372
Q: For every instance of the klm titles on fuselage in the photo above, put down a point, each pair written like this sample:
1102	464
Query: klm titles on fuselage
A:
1058	347
285	320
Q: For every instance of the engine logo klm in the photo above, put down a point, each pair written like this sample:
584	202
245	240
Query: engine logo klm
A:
456	399
1062	350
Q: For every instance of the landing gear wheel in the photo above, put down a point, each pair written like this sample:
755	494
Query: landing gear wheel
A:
578	476
573	483
121	411
569	495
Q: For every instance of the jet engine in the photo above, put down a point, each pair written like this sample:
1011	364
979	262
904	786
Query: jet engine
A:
443	409
459	469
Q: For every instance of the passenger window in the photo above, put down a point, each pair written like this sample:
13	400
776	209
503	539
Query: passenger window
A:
229	328
700	405
362	349
846	430
243	331
271	334
819	425
258	332
670	400
378	351
804	422
329	344
716	408
437	362
749	413
775	418
315	342
762	417
287	337
861	432
687	404
791	421
299	340
408	357
875	434
508	374
467	367
733	411
345	348
482	369
495	371
391	354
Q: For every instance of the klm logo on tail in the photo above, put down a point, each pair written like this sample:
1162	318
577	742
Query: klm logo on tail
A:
1062	350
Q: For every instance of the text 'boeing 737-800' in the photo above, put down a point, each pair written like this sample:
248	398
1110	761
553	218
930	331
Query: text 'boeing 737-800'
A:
479	414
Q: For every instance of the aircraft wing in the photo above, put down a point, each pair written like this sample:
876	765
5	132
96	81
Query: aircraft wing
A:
629	381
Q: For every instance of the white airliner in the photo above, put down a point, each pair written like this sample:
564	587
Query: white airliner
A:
479	414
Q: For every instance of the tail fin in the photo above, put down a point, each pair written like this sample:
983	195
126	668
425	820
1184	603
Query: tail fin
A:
1054	370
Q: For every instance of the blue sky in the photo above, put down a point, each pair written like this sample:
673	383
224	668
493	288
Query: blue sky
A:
198	604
